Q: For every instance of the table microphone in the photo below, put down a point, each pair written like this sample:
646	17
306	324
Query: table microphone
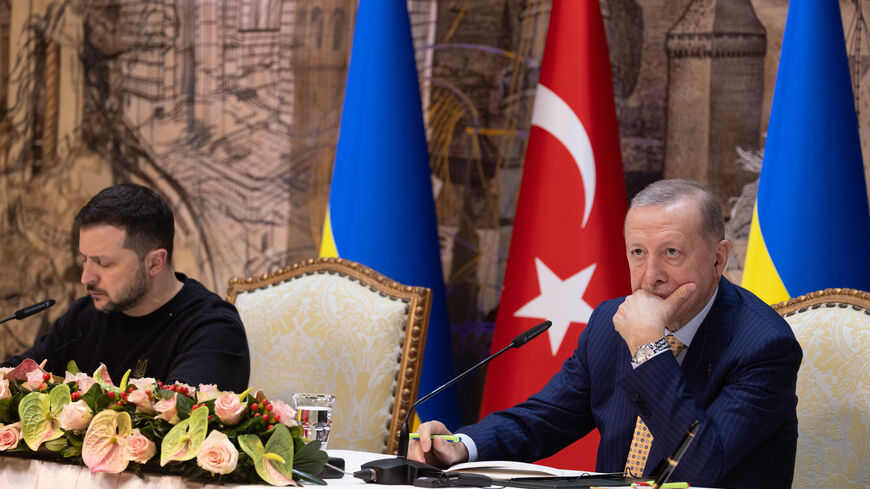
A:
30	310
400	470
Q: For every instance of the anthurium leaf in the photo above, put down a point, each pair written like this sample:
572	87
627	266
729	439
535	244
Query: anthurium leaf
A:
101	377
185	439
265	468
37	424
103	446
58	397
280	446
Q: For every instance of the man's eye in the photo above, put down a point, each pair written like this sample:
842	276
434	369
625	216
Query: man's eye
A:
672	252
636	252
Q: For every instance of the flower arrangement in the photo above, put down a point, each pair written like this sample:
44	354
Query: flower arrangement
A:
196	432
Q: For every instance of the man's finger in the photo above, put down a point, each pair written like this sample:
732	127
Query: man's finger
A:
680	295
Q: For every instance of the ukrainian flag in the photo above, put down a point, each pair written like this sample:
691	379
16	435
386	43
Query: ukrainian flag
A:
381	209
811	225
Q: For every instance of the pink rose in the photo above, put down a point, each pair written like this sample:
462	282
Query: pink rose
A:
4	389
75	416
228	408
166	408
34	378
207	392
82	380
10	435
218	455
4	371
285	414
142	400
139	448
145	383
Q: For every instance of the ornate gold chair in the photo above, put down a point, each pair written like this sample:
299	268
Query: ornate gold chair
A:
833	387
331	325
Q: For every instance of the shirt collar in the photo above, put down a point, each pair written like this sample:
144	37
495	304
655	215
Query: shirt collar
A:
687	332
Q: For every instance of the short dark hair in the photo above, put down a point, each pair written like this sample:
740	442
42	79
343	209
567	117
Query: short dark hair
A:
139	211
665	192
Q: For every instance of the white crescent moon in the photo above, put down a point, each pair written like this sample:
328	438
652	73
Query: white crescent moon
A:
553	115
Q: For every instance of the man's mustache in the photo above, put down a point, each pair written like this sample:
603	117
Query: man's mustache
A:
91	288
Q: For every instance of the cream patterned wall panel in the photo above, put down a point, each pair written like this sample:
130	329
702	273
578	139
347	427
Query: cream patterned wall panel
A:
325	333
833	397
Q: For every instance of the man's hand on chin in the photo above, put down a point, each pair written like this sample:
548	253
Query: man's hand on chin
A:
643	316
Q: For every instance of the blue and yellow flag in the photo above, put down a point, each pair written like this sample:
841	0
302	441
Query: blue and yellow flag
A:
381	209
811	226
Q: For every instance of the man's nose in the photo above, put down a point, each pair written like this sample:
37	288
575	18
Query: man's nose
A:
88	275
654	273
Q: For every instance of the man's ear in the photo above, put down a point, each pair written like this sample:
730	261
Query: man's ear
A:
721	251
155	261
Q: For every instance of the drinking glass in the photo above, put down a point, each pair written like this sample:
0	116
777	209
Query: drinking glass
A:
314	415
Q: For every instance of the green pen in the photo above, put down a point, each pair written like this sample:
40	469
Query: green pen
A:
450	438
666	485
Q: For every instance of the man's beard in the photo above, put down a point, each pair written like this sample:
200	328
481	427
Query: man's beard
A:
130	296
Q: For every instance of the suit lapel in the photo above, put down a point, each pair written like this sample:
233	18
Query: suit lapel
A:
711	340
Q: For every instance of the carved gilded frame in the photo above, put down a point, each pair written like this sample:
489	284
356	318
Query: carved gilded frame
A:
418	299
838	297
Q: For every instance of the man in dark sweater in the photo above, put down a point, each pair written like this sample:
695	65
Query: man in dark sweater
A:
139	314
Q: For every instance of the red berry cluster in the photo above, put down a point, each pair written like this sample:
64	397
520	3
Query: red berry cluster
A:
195	406
263	411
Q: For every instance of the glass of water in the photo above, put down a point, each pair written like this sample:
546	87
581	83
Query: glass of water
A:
314	415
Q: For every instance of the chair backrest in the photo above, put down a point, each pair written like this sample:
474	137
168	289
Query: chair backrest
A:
334	326
833	387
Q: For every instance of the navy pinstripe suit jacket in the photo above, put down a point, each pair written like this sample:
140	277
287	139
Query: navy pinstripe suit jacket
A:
738	378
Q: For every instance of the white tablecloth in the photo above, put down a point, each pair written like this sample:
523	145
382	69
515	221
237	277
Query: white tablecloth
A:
19	473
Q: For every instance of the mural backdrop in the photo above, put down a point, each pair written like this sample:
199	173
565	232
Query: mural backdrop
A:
230	109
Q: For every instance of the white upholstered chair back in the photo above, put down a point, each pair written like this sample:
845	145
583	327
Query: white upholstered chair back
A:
833	388
334	326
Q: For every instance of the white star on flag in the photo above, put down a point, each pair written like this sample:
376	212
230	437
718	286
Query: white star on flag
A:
560	301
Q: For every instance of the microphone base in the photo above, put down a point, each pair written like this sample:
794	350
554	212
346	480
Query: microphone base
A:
395	471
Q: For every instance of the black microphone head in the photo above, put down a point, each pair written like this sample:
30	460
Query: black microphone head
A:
31	310
527	336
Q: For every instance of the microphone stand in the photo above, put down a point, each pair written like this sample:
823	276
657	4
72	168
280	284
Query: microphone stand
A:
400	470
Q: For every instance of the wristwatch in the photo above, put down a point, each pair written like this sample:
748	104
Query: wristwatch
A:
649	350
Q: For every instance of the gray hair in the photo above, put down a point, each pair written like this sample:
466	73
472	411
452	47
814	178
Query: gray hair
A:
666	192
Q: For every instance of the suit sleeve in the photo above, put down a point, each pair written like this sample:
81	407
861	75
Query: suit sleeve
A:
757	395
546	422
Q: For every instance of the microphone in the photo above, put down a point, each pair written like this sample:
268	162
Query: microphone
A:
30	310
400	470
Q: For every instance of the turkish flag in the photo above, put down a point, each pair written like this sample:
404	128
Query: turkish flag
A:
567	251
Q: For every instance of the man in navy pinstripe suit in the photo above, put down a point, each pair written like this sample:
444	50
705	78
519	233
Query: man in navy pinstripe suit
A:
736	376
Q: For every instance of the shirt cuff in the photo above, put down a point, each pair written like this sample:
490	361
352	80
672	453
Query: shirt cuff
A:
470	446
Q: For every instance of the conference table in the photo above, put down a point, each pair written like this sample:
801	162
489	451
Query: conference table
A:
23	473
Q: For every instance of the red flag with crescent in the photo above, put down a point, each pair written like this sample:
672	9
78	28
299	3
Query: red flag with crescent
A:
567	252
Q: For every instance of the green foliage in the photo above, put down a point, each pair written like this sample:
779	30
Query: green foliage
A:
185	439
72	367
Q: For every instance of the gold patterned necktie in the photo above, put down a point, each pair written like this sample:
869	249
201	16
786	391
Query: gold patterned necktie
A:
642	441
